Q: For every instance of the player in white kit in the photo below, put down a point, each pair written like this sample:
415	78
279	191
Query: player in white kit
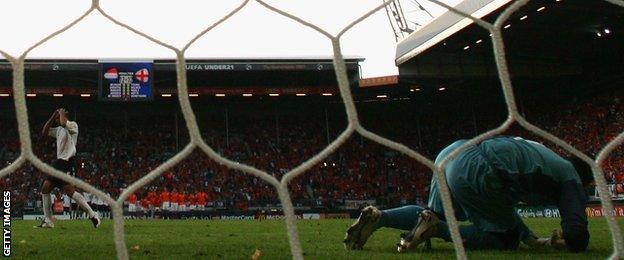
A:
66	204
66	134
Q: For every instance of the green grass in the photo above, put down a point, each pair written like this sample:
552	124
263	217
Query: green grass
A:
195	239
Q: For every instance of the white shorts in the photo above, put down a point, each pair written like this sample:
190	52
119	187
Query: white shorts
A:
182	207
192	207
131	207
174	206
166	205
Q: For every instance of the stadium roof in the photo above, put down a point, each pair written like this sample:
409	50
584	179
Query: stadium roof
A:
325	63
443	27
549	38
232	76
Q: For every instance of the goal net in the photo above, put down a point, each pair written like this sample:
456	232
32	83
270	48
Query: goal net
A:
354	126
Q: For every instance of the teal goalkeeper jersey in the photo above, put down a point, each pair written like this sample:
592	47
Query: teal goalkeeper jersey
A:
532	172
487	180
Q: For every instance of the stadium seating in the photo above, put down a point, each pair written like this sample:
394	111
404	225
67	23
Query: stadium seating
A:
113	153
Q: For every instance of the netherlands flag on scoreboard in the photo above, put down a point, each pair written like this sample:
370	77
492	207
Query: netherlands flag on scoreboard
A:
111	73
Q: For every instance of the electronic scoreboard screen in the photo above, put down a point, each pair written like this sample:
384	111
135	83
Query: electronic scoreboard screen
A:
126	81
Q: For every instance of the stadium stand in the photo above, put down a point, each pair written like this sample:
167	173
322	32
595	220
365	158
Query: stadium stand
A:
114	152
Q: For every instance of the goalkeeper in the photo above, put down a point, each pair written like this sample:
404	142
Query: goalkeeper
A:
486	182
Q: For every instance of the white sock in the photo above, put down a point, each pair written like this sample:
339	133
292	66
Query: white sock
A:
83	204
47	206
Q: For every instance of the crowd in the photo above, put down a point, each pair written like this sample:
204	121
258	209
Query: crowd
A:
118	146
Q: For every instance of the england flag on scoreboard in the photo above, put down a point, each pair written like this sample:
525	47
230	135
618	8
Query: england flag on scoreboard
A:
142	75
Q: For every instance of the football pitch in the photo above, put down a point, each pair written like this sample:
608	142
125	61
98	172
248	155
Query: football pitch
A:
239	239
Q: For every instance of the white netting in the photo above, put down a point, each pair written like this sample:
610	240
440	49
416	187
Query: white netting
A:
281	186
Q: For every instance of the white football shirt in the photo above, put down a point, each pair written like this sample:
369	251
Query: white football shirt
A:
66	138
66	200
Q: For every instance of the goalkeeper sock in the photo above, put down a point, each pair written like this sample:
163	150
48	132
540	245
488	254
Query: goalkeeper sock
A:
47	206
403	218
83	204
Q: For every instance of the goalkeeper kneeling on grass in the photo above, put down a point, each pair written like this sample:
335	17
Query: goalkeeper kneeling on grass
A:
486	182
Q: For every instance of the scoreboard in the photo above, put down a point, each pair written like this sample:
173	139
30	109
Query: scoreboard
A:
126	80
